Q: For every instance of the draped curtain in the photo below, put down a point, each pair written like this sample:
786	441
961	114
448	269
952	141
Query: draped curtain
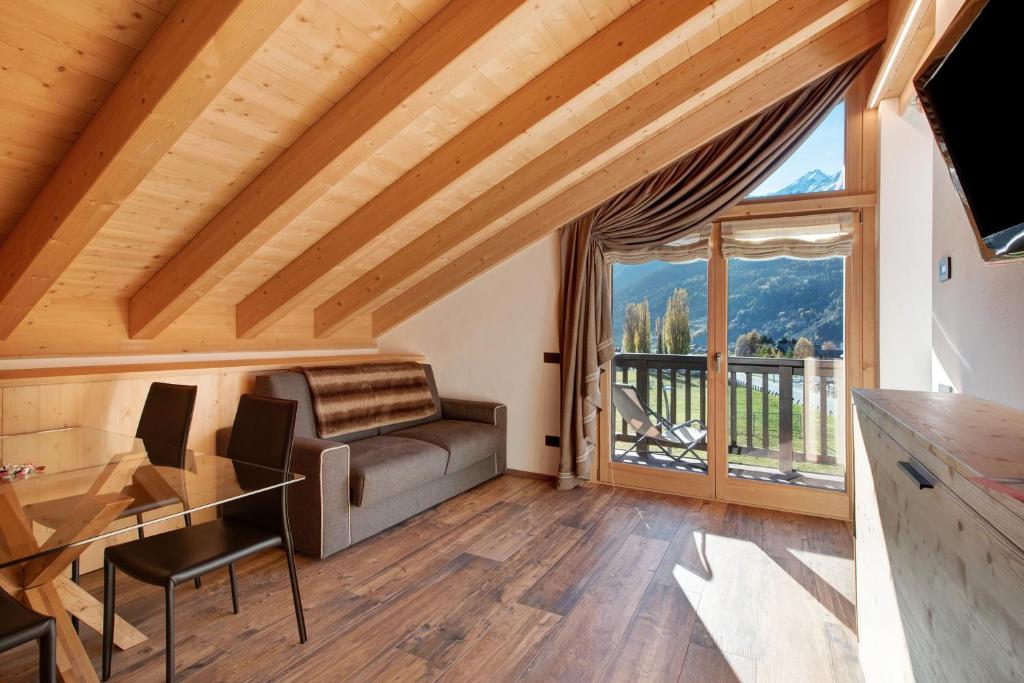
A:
642	223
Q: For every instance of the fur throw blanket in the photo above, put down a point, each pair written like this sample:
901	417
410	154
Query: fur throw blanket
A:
351	398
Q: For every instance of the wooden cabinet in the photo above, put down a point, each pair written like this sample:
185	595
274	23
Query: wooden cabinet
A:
939	526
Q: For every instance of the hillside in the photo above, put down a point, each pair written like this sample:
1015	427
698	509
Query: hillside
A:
779	297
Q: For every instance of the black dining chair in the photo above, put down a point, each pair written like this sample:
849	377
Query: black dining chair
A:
261	435
163	428
19	625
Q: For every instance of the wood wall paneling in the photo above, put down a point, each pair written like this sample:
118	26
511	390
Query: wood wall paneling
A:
111	398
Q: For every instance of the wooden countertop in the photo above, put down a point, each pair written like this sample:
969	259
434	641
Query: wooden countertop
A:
960	439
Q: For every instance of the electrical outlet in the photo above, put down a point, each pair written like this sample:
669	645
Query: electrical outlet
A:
553	441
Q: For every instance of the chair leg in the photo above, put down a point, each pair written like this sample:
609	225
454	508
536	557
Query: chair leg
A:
169	652
296	598
48	654
198	580
234	587
109	588
635	445
76	577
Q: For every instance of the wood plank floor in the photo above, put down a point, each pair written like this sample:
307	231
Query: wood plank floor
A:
515	581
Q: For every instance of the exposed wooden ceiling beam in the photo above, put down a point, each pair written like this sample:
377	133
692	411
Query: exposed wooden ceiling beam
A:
404	86
757	42
639	37
191	57
753	95
911	29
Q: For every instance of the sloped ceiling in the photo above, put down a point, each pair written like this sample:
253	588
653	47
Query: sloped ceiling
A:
301	174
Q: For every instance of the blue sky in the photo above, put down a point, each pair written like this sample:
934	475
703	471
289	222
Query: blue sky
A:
823	150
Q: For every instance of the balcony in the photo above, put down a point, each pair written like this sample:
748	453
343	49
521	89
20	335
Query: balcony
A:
784	416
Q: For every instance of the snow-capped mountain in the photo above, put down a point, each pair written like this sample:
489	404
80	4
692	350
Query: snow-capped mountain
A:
813	181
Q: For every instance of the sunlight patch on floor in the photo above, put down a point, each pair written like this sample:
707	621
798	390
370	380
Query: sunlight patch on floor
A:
771	617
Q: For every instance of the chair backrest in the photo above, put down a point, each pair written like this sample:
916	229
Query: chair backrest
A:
262	435
628	404
165	422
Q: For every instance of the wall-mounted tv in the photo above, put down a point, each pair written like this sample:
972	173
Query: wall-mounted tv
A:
967	87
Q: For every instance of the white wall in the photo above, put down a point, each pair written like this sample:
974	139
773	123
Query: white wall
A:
487	340
904	248
978	314
971	340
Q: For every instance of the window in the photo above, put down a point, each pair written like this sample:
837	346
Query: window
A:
818	165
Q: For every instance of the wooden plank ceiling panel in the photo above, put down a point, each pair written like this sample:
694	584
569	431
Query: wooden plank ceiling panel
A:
751	95
397	91
181	69
258	115
553	103
58	63
558	165
509	68
423	189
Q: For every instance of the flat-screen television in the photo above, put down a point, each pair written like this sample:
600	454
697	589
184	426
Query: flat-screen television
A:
967	87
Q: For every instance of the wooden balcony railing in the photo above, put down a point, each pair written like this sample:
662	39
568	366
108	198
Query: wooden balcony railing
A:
779	408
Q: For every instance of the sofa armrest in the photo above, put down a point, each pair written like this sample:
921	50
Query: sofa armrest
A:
481	411
472	411
318	506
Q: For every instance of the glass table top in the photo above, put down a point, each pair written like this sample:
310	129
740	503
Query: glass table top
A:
92	484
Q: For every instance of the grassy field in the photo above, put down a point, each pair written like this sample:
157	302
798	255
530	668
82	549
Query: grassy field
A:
758	418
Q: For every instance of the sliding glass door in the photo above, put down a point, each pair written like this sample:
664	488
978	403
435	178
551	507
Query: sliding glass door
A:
729	379
660	396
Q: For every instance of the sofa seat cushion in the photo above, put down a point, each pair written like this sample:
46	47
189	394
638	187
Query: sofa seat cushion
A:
466	442
385	466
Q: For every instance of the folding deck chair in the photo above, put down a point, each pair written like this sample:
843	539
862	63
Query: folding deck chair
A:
654	428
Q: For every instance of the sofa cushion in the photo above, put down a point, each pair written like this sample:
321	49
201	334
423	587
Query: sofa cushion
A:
385	466
466	442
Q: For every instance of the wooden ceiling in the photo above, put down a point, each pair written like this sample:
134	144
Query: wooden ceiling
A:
260	174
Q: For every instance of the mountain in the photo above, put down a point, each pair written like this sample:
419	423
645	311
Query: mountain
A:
813	181
778	297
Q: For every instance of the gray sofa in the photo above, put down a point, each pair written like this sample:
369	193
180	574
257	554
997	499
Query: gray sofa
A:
361	483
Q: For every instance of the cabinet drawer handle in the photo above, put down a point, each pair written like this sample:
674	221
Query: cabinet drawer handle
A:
922	480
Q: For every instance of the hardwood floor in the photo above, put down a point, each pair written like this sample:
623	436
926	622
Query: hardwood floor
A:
515	581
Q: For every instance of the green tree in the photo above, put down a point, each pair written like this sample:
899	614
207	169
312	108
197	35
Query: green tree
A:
636	328
746	344
804	348
661	336
676	326
643	330
629	325
755	344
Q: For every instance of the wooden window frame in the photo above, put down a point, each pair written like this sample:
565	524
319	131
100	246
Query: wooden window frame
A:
861	326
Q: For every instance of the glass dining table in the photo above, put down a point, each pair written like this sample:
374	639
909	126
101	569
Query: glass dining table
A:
63	490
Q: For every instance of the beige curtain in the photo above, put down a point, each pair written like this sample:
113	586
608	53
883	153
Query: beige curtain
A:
637	224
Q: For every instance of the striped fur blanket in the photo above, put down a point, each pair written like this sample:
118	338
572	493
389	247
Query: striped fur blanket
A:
350	398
